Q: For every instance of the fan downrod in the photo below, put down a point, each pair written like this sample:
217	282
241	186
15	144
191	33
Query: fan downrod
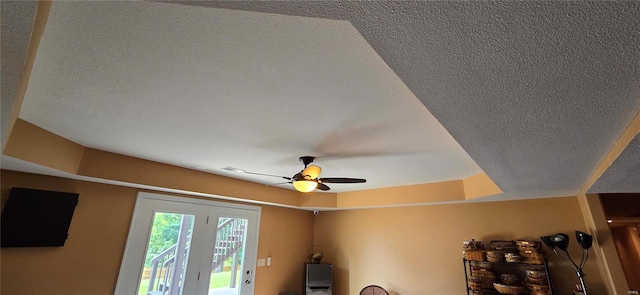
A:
306	160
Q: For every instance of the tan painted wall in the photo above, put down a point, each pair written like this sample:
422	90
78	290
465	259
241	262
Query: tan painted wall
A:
410	194
90	260
42	147
417	250
480	185
285	236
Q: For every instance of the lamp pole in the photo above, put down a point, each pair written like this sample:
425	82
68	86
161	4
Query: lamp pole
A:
581	278
577	268
561	241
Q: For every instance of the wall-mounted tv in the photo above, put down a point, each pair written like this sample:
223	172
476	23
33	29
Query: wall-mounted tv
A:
36	218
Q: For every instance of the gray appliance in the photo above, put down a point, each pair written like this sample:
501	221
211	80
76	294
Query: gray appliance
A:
318	279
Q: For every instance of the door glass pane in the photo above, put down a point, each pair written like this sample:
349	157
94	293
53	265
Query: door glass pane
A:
167	254
226	269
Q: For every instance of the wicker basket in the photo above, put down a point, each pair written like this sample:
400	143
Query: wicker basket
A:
472	245
484	292
513	258
533	261
532	254
495	259
537	289
509	279
495	256
475	255
538	281
483	273
477	286
476	283
507	246
505	289
532	257
529	245
536	274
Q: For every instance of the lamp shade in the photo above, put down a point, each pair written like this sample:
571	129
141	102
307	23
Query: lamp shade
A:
305	185
561	241
547	241
584	240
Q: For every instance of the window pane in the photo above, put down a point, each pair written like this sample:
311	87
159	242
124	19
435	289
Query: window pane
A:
167	254
228	255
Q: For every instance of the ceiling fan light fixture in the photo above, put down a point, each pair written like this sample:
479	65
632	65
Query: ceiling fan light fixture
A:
305	185
306	180
312	171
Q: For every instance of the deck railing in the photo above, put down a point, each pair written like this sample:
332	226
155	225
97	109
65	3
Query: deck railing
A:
167	268
166	275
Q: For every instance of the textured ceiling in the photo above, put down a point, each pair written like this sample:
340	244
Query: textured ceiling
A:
17	18
535	92
622	176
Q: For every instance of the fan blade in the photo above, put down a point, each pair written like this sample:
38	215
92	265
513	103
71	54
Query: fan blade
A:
262	174
322	187
238	170
279	183
342	180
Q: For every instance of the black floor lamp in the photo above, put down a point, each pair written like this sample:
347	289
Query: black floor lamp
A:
561	241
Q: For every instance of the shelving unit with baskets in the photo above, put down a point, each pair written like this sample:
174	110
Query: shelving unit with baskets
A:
507	267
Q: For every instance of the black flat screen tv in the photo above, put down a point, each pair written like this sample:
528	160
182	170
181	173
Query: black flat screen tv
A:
36	218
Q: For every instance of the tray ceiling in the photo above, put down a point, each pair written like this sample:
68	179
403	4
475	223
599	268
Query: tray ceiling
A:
533	94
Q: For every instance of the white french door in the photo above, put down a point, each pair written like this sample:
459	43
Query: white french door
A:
184	246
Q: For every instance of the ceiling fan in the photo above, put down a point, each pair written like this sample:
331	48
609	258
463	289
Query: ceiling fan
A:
308	179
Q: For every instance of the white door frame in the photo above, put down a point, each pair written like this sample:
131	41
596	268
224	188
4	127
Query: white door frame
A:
132	260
